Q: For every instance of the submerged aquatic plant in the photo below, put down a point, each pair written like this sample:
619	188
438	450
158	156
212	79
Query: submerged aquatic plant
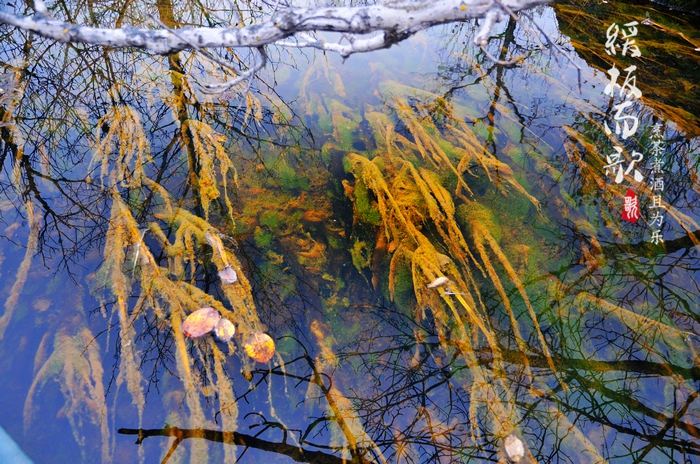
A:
23	270
430	197
133	255
452	246
121	147
459	311
75	365
209	148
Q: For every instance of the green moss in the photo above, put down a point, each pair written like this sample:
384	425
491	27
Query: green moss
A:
288	177
366	209
450	150
361	254
326	152
350	329
334	242
481	130
263	238
448	180
316	111
510	128
347	166
514	152
345	124
516	205
404	296
270	219
569	200
476	212
277	276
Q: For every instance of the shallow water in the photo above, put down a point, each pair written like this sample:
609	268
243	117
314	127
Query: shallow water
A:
562	324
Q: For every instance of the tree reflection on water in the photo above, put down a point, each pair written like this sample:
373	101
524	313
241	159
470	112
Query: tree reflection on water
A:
338	192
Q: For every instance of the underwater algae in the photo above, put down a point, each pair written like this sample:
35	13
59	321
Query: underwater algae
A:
406	278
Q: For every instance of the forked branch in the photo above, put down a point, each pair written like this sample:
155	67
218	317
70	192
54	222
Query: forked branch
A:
364	28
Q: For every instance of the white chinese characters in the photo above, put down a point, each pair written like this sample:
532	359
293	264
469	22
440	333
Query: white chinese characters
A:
616	166
616	34
657	184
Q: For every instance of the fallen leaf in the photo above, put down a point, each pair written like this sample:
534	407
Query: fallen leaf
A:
515	450
260	347
228	275
41	304
200	322
224	330
439	282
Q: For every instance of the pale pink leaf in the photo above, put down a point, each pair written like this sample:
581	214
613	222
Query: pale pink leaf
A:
200	322
228	275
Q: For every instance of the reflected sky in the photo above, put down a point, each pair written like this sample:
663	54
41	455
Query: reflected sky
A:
619	315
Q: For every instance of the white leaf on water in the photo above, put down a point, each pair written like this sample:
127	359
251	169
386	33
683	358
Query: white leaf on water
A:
224	330
515	450
439	282
228	275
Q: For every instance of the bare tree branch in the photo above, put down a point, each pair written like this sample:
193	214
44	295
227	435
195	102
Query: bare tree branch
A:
387	24
294	452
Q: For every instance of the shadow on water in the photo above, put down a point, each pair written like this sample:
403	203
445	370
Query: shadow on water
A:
341	192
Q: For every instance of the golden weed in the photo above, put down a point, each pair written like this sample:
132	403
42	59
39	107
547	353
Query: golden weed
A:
75	365
208	147
23	271
121	135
